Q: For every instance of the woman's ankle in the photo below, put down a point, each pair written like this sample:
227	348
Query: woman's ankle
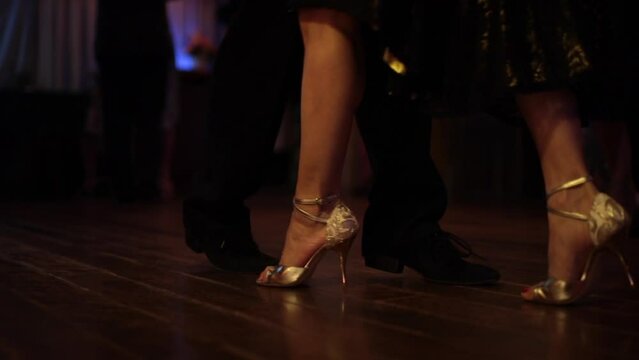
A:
574	199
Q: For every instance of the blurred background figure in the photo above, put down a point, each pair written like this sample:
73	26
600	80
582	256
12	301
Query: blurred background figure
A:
134	54
16	35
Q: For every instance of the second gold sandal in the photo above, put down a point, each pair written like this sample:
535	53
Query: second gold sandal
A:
608	223
341	229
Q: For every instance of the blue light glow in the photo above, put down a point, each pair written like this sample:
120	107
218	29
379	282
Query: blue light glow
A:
184	61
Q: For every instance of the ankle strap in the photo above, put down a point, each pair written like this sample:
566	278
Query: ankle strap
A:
566	186
315	201
569	185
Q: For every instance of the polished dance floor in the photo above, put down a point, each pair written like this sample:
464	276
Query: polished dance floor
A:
95	280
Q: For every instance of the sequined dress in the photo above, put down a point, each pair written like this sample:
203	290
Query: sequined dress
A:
490	50
503	47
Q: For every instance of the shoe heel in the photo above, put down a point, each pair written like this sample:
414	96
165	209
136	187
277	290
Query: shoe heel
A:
342	251
384	263
623	262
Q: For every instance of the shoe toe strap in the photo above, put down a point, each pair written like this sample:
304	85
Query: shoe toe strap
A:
283	273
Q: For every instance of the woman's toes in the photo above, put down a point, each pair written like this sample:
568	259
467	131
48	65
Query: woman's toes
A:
265	274
527	293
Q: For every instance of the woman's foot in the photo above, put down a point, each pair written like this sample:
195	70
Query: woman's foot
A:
571	248
569	240
316	225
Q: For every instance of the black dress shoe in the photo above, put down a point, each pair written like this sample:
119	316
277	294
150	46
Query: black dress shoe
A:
234	254
225	238
437	259
239	259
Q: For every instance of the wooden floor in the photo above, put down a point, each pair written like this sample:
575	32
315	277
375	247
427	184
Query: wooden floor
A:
95	280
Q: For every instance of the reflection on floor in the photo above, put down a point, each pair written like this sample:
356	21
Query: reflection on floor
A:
97	280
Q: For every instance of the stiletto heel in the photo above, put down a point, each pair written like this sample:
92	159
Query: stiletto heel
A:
608	223
341	229
613	249
342	251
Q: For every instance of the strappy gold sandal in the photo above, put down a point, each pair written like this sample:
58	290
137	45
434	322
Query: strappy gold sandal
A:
341	229
608	223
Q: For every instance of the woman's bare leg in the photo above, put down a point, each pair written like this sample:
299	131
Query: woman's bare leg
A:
555	126
332	86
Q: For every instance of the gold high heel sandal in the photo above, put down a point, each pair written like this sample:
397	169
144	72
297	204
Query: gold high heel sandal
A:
341	229
608	223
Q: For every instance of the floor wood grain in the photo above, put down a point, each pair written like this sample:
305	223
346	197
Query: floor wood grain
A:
97	280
